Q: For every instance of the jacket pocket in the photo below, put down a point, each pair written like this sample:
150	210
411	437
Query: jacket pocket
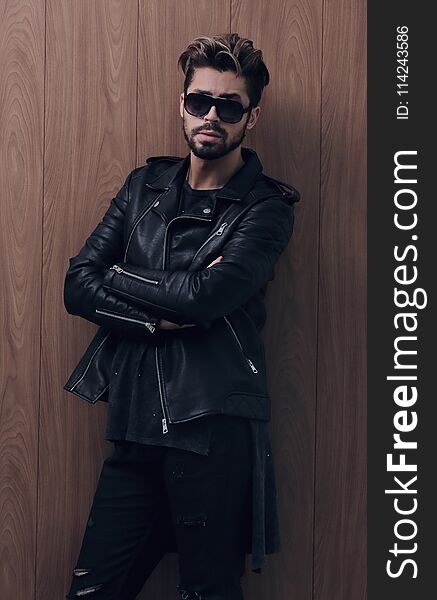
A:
90	378
112	314
237	339
133	275
209	372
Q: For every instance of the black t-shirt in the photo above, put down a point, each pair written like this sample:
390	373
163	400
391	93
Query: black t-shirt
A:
135	413
190	196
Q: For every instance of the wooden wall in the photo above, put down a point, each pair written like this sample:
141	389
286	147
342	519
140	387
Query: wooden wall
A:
88	90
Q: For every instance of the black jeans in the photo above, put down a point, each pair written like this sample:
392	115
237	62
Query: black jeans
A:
147	495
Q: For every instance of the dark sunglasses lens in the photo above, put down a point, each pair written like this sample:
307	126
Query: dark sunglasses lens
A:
230	111
197	105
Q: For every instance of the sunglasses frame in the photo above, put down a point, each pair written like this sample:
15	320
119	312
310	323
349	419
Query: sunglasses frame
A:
217	101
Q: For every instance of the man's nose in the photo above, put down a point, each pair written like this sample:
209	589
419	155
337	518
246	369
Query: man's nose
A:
212	114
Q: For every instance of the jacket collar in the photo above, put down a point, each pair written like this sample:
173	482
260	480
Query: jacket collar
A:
236	188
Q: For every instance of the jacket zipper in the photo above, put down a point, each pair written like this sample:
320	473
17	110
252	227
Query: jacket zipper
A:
160	381
120	270
223	225
123	318
252	366
89	362
164	414
218	232
140	217
149	325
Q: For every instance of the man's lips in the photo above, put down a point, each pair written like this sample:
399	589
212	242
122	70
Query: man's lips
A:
209	134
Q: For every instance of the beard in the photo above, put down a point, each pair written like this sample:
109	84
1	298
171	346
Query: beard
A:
213	150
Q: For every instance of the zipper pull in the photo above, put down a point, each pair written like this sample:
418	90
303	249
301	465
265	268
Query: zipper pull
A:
220	231
252	366
150	327
117	268
164	425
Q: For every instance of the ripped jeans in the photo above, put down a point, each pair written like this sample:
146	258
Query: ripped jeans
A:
148	496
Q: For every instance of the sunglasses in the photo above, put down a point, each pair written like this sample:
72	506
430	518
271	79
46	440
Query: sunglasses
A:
229	111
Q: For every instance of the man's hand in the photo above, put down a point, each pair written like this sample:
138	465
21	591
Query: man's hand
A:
163	324
216	260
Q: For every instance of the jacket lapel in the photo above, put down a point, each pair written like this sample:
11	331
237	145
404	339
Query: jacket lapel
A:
171	180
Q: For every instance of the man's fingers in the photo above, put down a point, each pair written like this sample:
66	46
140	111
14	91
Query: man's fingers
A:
215	261
164	324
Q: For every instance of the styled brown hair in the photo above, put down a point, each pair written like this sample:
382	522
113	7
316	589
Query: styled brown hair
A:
228	52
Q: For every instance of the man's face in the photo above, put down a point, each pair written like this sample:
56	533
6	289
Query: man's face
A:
230	135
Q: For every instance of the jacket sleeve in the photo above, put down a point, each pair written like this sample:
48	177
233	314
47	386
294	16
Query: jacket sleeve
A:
84	294
248	262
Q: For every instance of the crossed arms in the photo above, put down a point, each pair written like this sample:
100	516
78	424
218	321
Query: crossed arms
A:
180	297
164	324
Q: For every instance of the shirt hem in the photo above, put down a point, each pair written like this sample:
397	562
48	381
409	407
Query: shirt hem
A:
152	441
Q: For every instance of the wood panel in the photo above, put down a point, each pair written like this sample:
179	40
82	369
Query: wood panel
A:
90	147
340	518
287	141
21	184
165	29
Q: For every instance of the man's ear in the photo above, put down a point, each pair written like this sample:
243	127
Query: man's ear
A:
254	115
181	104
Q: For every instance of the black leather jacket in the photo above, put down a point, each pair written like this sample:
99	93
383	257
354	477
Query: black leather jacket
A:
142	263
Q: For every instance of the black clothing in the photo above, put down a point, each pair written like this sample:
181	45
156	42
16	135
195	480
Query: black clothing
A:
143	263
134	411
149	498
190	196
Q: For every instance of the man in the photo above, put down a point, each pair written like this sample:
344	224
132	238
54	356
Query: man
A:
175	276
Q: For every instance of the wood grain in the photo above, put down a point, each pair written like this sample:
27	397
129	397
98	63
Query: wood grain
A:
90	144
340	510
21	182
